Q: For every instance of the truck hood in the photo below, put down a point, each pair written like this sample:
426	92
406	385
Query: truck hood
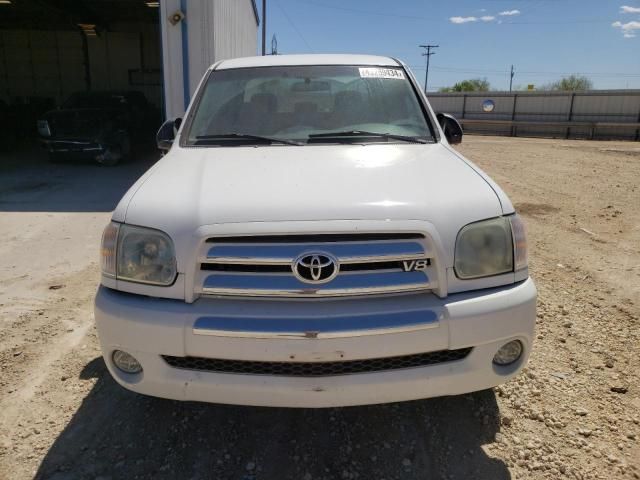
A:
192	187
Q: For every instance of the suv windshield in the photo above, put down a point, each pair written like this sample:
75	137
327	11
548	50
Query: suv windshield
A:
307	104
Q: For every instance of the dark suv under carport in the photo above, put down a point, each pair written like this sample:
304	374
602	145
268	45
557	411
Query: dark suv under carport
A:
102	126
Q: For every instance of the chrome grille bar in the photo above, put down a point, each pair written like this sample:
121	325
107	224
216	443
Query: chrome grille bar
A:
371	264
287	285
275	254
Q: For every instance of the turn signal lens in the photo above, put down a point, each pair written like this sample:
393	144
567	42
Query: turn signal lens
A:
520	255
108	250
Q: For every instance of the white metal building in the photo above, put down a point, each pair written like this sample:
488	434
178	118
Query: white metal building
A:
211	30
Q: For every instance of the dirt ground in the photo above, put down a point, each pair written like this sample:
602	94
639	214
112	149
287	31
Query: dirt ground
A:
574	413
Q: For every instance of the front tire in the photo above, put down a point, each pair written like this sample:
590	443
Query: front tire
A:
110	157
116	153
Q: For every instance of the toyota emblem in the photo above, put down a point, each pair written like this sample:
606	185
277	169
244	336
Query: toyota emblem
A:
315	267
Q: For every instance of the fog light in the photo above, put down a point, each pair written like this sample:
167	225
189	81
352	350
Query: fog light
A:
125	362
508	353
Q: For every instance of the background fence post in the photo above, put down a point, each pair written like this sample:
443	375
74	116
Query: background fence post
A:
514	130
573	97
464	104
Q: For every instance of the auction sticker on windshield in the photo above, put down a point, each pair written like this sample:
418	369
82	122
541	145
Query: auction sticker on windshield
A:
376	72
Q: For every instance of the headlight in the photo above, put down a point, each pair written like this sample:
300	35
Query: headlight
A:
138	254
484	248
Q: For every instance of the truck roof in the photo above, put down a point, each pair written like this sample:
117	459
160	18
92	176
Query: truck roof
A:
310	59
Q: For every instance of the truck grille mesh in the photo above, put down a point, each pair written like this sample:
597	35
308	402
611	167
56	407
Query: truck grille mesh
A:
316	369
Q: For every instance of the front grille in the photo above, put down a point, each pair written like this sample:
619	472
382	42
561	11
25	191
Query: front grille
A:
262	265
316	369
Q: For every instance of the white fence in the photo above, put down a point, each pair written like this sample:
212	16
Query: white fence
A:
596	114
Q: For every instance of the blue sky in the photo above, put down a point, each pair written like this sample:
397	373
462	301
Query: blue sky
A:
543	39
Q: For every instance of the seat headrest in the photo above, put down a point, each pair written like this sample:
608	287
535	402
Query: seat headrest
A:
265	102
347	100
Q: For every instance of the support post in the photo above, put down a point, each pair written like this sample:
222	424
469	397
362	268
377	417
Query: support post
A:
570	117
638	129
85	60
514	130
264	27
427	54
511	79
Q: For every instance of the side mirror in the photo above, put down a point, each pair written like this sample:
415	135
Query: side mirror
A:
167	133
452	129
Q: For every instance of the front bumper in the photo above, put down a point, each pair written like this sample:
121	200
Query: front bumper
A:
149	327
73	146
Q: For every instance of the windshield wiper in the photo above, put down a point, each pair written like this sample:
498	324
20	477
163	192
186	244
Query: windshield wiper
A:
361	133
204	139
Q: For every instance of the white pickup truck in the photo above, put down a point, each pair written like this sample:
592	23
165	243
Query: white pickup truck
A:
311	239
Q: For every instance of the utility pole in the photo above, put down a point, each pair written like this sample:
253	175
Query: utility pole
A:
264	27
511	79
427	54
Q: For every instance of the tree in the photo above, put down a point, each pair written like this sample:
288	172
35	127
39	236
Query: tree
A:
572	83
471	85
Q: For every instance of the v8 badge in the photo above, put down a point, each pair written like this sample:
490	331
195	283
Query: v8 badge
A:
415	265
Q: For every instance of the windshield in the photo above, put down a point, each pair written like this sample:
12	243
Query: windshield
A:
304	104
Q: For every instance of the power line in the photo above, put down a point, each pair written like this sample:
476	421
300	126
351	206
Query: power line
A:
558	22
440	20
525	72
369	12
460	70
286	15
595	74
427	53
